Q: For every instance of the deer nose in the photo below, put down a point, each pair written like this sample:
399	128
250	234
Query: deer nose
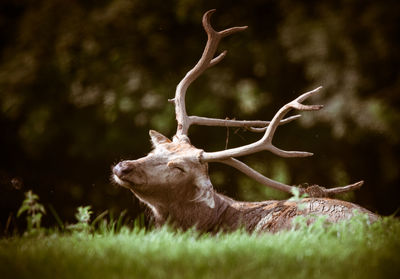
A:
122	168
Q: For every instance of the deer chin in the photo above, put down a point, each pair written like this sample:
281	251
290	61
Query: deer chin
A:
122	182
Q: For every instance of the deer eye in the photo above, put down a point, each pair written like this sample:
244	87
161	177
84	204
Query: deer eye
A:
179	168
176	165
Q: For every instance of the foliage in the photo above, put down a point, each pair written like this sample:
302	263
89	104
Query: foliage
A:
82	82
83	219
111	248
297	197
34	211
100	224
353	249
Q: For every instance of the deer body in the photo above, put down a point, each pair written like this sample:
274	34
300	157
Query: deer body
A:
173	179
174	182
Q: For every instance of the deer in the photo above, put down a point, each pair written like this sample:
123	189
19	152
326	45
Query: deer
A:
173	179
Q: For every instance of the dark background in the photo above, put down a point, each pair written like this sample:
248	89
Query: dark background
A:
82	82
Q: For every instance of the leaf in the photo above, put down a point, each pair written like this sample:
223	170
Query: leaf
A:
37	218
22	209
296	193
41	208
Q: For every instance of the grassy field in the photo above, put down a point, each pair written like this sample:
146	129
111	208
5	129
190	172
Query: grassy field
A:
348	250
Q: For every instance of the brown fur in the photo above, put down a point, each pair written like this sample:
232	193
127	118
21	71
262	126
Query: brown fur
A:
175	185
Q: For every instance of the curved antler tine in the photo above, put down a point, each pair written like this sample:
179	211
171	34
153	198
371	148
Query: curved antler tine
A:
343	189
298	105
312	191
288	154
308	94
207	22
210	30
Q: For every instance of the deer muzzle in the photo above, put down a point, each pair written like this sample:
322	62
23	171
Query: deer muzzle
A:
122	169
123	173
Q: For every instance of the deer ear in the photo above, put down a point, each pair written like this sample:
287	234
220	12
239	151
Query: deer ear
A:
157	138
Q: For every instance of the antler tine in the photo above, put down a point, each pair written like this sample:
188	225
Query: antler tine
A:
295	104
256	126
207	60
311	191
265	143
210	30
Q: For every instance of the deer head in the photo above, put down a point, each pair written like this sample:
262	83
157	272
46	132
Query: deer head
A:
171	173
176	171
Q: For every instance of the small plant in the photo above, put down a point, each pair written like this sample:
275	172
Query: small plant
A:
83	217
34	210
83	214
296	195
298	198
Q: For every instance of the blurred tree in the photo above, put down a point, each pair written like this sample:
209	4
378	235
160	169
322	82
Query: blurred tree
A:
81	83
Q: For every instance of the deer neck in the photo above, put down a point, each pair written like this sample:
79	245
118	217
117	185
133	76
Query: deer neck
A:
226	214
185	214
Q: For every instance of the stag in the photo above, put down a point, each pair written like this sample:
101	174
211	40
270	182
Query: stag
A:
173	180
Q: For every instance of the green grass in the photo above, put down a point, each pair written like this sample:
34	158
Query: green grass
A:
348	250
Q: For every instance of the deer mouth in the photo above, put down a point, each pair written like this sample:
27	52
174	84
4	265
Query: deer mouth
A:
119	176
121	181
125	176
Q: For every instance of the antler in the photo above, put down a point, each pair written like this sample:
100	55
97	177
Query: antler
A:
312	191
265	143
206	61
